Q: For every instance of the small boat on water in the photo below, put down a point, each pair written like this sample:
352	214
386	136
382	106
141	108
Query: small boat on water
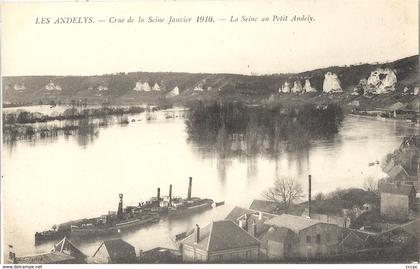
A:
219	203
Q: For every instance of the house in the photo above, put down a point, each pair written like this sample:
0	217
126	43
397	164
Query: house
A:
278	242
160	255
312	238
63	252
114	251
397	200
66	246
398	173
220	241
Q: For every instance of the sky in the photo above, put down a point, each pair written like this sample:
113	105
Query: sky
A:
344	32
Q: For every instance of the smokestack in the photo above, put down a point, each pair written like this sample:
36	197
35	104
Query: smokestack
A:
158	196
170	194
120	207
197	233
309	195
189	189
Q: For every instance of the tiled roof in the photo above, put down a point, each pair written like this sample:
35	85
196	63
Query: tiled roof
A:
47	258
401	189
221	235
294	223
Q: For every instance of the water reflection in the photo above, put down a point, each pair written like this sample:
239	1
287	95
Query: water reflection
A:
237	131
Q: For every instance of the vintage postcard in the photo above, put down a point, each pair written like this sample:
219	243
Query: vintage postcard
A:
146	132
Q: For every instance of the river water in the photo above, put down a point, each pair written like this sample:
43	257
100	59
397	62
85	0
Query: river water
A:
50	181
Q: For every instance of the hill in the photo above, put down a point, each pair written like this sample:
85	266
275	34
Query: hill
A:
118	88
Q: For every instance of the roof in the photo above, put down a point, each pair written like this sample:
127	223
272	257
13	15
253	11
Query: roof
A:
250	216
396	106
67	247
274	208
237	212
264	206
118	249
401	189
294	223
46	258
389	166
159	255
221	235
396	170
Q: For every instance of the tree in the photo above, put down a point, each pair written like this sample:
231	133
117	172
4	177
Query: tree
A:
285	191
370	184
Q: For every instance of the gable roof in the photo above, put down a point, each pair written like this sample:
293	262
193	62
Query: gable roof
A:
118	249
294	223
67	247
401	189
397	170
237	212
221	235
264	206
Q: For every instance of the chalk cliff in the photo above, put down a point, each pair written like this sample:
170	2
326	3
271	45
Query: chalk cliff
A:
331	83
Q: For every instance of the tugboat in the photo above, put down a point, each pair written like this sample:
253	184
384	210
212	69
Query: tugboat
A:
178	205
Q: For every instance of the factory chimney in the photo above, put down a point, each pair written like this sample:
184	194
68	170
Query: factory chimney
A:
189	189
158	196
197	233
309	195
120	207
170	195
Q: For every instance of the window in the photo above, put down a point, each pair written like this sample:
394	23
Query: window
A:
308	239
248	254
318	239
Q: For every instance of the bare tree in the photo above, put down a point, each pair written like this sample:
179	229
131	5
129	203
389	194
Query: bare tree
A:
370	184
285	191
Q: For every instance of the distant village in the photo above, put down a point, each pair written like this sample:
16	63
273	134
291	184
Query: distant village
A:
378	224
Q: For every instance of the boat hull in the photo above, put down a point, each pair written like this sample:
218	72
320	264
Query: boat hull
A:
191	209
95	231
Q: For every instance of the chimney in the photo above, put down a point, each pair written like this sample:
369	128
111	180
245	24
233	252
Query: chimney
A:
189	189
253	230
158	196
170	194
309	195
120	207
241	223
260	215
197	233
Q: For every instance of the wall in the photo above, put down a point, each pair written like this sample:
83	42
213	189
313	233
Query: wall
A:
330	236
241	254
191	254
394	206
